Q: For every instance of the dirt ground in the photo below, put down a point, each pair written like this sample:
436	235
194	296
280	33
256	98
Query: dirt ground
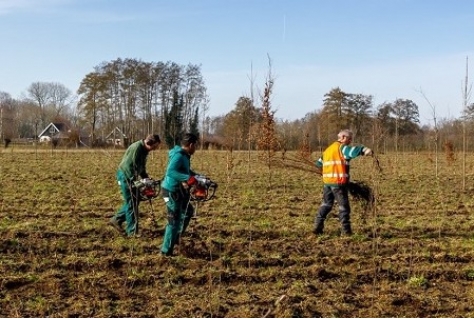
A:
249	253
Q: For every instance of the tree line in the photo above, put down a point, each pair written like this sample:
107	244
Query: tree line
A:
167	98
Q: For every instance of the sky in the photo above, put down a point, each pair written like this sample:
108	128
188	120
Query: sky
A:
390	49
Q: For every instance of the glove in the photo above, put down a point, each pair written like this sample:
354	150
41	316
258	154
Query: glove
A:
367	151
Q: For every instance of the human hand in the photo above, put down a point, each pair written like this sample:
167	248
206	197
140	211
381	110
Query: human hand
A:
367	151
190	182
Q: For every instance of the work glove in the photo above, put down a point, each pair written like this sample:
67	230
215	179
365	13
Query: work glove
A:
367	151
189	183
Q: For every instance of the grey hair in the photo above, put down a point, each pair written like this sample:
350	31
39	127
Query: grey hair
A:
343	133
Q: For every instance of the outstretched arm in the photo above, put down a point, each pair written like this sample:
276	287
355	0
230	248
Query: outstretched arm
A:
351	152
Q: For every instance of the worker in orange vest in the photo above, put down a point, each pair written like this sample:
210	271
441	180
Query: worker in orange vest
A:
335	164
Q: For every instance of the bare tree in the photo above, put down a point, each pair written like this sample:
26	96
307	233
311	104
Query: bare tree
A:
238	122
59	97
39	93
436	131
93	100
250	120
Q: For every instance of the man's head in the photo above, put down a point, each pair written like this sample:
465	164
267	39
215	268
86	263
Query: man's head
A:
189	142
345	136
152	142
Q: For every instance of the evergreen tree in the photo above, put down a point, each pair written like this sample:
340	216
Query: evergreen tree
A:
174	121
335	114
194	123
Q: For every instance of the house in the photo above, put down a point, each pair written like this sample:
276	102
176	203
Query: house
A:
62	133
116	138
54	131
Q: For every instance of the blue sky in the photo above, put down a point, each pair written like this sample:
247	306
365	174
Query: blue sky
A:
390	49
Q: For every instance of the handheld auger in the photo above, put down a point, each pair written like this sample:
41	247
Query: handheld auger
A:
203	190
148	188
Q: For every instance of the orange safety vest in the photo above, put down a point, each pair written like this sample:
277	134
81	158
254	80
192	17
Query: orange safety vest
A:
334	165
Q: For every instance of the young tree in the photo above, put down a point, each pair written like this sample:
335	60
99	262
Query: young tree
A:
268	142
466	97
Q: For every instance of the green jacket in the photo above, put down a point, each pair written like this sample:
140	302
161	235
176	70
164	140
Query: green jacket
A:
133	163
178	169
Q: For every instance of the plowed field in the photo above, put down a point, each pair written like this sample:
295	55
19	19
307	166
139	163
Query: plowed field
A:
249	253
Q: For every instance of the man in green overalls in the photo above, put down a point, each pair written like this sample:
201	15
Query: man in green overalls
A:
132	168
175	190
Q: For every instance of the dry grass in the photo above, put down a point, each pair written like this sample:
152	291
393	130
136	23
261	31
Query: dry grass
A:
250	253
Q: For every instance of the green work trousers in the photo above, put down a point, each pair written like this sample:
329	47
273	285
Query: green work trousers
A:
128	212
179	211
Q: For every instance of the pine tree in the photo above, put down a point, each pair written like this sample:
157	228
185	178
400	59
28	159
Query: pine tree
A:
174	121
194	123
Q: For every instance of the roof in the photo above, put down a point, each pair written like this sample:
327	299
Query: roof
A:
117	133
54	129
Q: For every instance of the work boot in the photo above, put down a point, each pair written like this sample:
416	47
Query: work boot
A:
346	230
115	224
318	230
168	254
